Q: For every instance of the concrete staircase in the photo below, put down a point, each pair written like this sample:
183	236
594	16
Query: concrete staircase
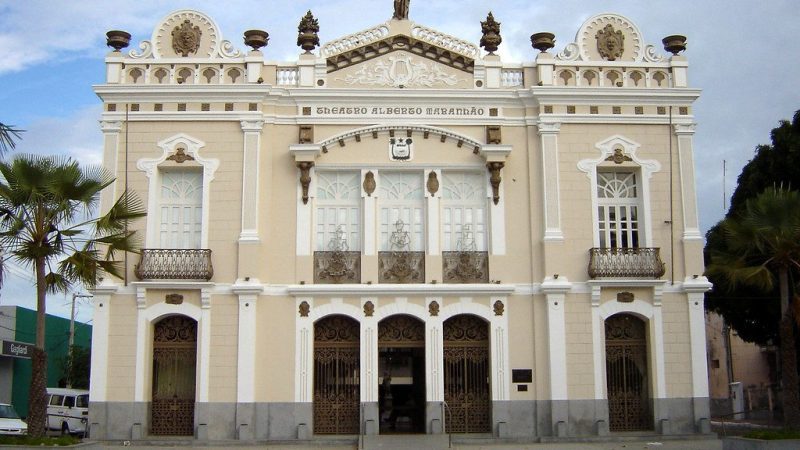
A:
406	441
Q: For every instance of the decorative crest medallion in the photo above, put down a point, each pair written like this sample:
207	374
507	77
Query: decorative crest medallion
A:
180	156
369	184
433	184
433	308
307	37
400	149
618	157
186	38
491	34
610	43
401	9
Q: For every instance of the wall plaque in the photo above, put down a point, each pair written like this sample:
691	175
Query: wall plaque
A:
522	375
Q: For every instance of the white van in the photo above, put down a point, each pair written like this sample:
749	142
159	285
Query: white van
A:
67	410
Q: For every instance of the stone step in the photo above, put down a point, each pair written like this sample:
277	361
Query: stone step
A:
406	441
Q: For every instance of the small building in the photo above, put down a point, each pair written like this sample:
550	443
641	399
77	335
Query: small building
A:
400	232
18	326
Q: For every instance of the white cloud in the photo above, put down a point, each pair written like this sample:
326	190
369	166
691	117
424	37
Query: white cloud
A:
77	136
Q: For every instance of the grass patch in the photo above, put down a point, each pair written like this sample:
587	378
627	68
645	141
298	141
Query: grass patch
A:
47	441
770	435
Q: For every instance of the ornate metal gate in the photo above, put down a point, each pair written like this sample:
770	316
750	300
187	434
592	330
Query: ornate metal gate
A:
466	374
626	374
336	375
174	356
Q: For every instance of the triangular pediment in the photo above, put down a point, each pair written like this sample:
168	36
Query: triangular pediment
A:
400	36
400	69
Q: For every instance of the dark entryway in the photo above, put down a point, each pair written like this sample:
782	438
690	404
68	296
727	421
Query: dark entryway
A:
401	364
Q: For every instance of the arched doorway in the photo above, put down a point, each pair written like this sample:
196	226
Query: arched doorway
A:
626	374
174	368
401	368
336	375
466	374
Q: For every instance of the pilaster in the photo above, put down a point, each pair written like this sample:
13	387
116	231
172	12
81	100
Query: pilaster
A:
101	302
111	140
246	355
692	238
555	289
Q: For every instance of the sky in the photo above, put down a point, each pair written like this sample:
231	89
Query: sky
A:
745	56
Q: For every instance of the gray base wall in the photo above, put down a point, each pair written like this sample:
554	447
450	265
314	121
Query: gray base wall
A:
520	420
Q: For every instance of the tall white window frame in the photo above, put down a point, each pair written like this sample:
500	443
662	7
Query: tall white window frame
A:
337	208
154	168
180	208
624	150
618	207
464	203
401	199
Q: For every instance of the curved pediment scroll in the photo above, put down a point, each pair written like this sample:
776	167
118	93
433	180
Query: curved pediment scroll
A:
186	34
609	37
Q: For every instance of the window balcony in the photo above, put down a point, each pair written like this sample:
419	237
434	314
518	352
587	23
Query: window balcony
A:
625	263
174	264
401	267
465	267
337	267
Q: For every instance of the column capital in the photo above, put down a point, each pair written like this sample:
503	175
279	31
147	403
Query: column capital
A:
110	126
548	128
251	126
684	128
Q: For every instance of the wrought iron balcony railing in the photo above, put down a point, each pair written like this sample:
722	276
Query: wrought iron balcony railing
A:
401	267
465	267
337	267
174	264
625	262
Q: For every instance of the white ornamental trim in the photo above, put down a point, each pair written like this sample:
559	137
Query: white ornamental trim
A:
414	74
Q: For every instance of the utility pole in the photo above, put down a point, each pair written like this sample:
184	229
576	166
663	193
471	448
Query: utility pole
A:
75	295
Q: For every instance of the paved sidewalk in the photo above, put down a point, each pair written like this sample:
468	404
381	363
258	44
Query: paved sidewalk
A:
688	444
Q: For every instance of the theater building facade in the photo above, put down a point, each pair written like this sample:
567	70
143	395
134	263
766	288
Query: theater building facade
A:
401	233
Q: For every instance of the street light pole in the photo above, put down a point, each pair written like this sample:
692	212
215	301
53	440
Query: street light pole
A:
75	295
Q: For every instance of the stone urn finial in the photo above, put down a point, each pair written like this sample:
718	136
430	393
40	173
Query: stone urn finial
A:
491	34
674	44
256	39
543	41
118	39
307	37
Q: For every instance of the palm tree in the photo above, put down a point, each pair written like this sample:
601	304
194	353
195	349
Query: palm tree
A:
762	246
8	134
45	223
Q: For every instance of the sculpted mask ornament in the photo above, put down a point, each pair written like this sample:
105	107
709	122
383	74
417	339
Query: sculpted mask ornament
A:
610	43
186	38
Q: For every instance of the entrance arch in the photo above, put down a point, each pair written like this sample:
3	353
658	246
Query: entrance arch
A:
174	371
401	367
336	375
627	381
467	379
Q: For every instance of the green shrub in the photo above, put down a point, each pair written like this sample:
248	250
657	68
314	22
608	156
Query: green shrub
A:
48	441
769	435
